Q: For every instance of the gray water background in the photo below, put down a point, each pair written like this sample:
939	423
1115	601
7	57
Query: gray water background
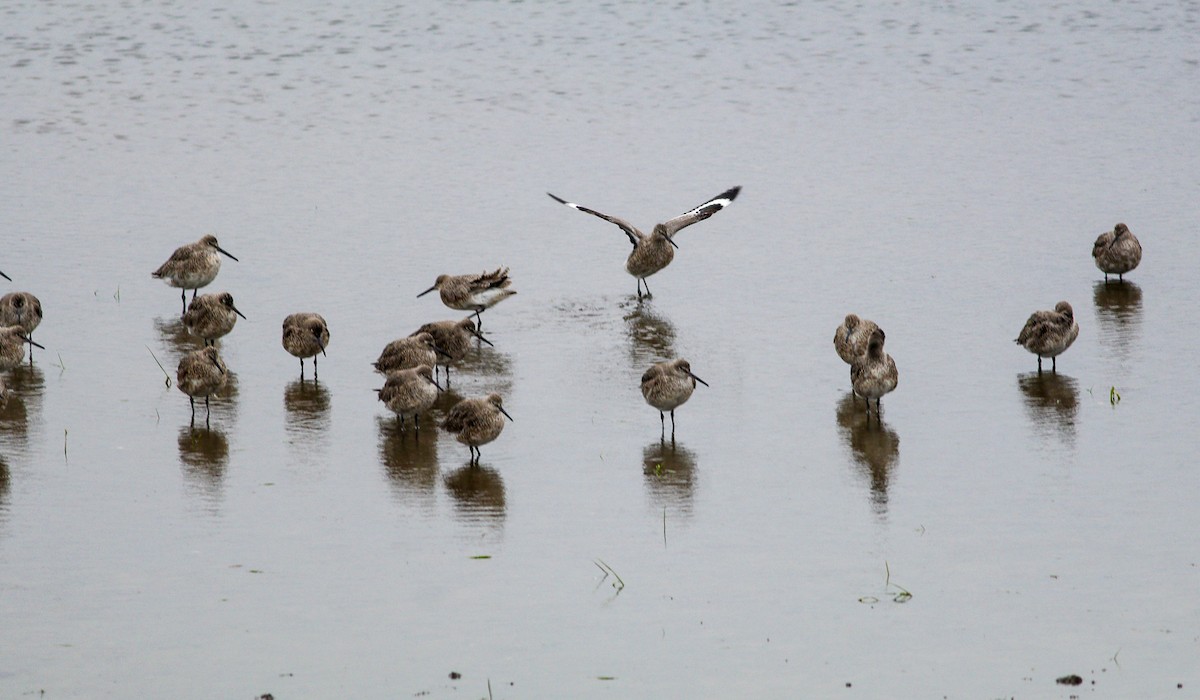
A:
939	168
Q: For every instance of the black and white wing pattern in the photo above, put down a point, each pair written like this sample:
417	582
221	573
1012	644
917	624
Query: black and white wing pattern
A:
629	229
701	212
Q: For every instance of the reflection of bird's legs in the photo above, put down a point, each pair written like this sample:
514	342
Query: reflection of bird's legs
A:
672	425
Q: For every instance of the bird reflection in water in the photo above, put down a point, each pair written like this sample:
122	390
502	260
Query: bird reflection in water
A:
874	446
307	407
410	460
669	470
23	397
1118	316
5	481
1052	401
478	493
175	338
651	336
204	455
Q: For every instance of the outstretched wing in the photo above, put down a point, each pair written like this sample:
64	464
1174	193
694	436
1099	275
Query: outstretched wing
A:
701	212
634	234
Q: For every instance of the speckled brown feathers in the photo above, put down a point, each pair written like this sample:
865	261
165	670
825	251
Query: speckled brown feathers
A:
201	373
476	293
476	421
668	385
211	316
21	309
304	335
403	353
409	391
874	373
1117	251
1049	333
192	266
453	338
12	346
850	339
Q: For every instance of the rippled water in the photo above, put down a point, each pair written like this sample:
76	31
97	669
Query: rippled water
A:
942	170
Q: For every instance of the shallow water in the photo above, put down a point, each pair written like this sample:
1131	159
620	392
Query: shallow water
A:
942	171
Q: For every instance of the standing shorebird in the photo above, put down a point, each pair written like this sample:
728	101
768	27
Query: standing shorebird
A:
454	339
192	266
653	252
305	335
668	385
21	309
873	373
12	346
201	373
415	350
476	422
411	390
211	316
1117	251
1049	333
476	293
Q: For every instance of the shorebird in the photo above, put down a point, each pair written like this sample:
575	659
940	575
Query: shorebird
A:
653	252
850	339
192	266
1049	333
21	309
3	394
476	293
211	316
12	346
454	338
668	385
476	422
1117	251
873	373
201	373
411	390
403	353
305	335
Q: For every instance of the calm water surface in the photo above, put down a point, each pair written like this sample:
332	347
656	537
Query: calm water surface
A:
940	169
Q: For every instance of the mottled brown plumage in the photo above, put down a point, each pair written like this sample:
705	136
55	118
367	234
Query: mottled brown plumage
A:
850	339
201	373
410	390
304	335
476	293
21	309
1117	251
655	251
192	266
1049	333
668	385
12	346
476	422
403	353
454	340
211	316
874	374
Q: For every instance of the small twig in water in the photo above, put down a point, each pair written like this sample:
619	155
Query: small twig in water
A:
1114	398
164	369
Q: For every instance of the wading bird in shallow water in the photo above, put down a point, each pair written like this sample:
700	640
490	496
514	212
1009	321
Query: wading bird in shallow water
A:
403	353
454	340
655	251
23	310
12	347
1049	333
476	293
411	390
851	338
668	385
873	373
1117	251
476	422
211	316
192	266
201	373
305	335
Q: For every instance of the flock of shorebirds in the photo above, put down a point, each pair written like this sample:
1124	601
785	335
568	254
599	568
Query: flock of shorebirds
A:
411	364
